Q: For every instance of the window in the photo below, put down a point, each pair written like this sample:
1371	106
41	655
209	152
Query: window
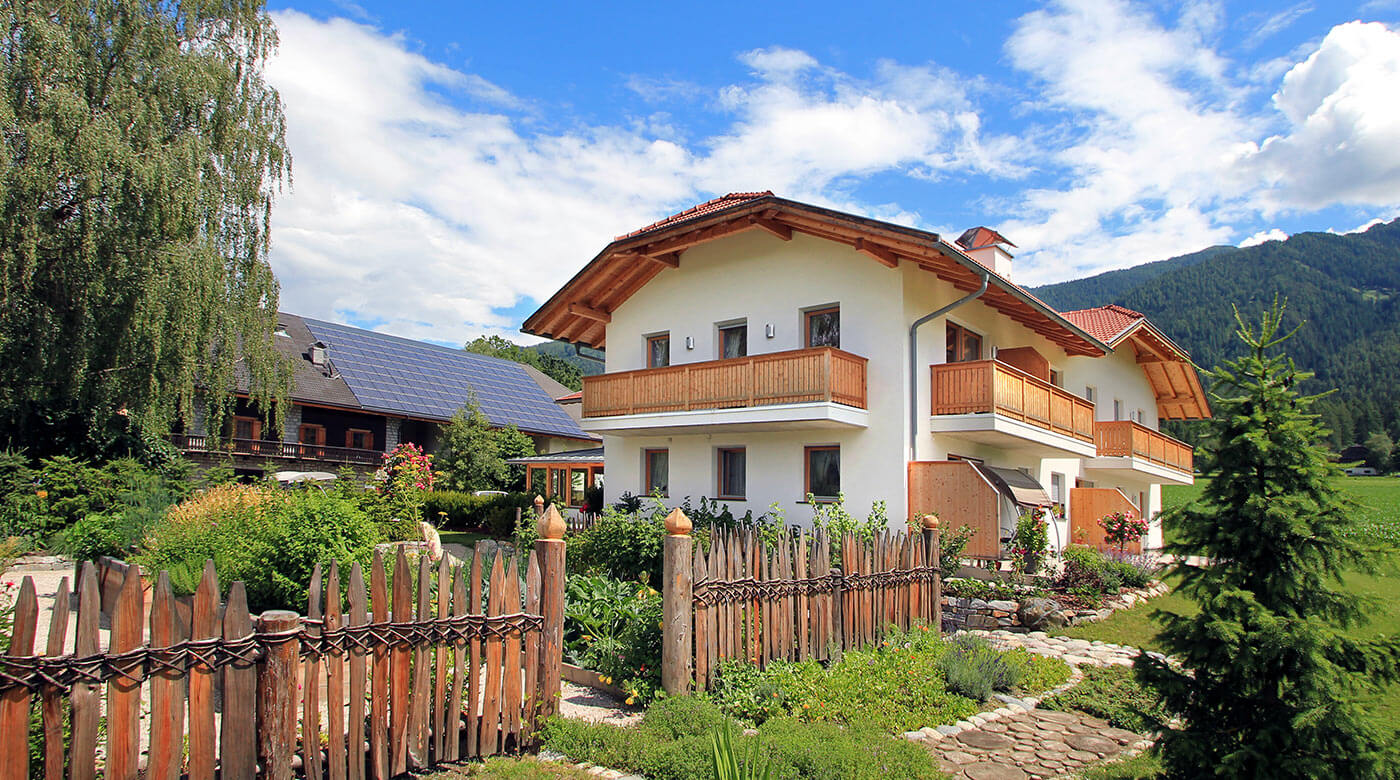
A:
1056	378
659	350
1057	493
558	484
823	472
963	344
1117	409
1141	417
734	341
359	438
247	428
656	478
1089	393
578	481
537	480
824	327
731	473
311	434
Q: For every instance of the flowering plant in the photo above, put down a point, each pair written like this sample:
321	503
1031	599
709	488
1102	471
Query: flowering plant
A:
404	476
1119	528
1030	543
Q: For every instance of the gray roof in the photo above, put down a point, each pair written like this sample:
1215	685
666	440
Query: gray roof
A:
591	455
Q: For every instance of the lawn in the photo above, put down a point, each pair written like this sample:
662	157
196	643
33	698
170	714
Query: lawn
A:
1378	505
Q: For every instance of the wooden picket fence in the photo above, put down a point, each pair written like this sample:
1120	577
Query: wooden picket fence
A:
366	687
757	602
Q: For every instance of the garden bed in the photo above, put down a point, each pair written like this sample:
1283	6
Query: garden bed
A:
1037	609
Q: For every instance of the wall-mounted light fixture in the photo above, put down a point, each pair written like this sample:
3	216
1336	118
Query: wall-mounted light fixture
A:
690	342
769	330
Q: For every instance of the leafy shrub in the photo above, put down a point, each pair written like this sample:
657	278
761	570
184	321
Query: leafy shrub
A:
116	531
39	501
1030	543
973	669
989	590
1134	571
620	546
950	550
683	716
459	510
1112	693
614	628
753	694
402	481
269	539
1038	673
793	748
1083	571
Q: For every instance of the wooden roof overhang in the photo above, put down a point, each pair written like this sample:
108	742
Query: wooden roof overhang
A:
580	311
1169	370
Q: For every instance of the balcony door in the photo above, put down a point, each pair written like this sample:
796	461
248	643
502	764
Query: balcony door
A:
963	344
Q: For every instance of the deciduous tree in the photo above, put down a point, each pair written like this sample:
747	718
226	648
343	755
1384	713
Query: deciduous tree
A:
142	149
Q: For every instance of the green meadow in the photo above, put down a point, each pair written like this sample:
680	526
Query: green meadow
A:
1377	505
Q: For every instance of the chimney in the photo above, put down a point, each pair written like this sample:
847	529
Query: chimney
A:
317	354
987	247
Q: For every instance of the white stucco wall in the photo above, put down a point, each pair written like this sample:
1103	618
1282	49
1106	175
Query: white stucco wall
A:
762	280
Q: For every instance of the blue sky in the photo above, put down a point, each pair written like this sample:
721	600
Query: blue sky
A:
454	166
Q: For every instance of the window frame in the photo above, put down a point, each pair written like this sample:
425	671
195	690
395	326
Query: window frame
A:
1059	498
255	422
962	332
1091	394
720	492
647	482
1117	409
807	451
720	331
350	438
652	339
808	314
318	441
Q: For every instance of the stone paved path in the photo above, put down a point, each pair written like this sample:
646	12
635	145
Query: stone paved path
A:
1031	745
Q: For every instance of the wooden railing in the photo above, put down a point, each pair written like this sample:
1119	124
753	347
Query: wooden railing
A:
1125	438
261	448
796	376
990	386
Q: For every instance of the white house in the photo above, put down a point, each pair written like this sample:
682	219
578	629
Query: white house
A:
759	350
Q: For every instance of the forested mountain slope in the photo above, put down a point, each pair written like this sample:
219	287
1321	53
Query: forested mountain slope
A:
1345	288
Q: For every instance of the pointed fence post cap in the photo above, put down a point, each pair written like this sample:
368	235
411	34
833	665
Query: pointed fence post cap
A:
539	505
551	525
929	522
677	524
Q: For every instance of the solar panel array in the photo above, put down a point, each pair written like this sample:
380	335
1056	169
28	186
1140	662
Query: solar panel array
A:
392	374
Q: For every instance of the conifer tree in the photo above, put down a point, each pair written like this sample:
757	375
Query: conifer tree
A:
1269	682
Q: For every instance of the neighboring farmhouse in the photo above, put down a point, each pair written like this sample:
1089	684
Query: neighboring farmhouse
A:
761	350
357	394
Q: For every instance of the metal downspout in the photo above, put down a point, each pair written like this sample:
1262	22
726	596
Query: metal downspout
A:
914	356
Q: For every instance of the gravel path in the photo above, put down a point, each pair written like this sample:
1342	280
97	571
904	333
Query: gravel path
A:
1036	744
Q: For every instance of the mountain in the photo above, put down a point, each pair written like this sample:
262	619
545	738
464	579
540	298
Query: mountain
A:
1344	290
565	352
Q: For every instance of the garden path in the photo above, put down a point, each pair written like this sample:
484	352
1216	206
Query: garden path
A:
1035	744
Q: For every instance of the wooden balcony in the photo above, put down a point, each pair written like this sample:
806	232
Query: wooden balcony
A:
995	388
1125	438
261	448
794	377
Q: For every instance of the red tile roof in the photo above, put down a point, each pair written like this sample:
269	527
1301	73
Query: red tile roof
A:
709	206
1104	322
576	396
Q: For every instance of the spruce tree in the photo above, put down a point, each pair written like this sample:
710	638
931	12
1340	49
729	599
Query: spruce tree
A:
1269	682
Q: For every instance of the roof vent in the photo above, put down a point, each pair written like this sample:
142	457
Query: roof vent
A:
318	354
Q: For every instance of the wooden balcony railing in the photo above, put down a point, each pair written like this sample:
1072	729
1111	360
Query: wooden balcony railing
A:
990	386
260	448
1123	438
796	376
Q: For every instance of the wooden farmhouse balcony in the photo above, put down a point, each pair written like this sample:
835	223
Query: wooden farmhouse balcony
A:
820	376
260	448
990	400
1140	445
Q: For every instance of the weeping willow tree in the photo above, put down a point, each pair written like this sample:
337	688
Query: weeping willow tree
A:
142	150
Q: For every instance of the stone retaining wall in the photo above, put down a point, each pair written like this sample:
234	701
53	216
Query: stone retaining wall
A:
1034	613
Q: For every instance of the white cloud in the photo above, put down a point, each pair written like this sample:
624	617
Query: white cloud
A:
430	218
1343	123
1273	234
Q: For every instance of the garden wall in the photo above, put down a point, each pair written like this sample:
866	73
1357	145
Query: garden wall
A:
1035	613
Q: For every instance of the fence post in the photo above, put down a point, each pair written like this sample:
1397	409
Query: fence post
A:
676	595
930	524
549	549
277	699
539	507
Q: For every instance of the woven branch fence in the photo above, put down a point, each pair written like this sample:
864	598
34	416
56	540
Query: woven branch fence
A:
417	670
755	602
